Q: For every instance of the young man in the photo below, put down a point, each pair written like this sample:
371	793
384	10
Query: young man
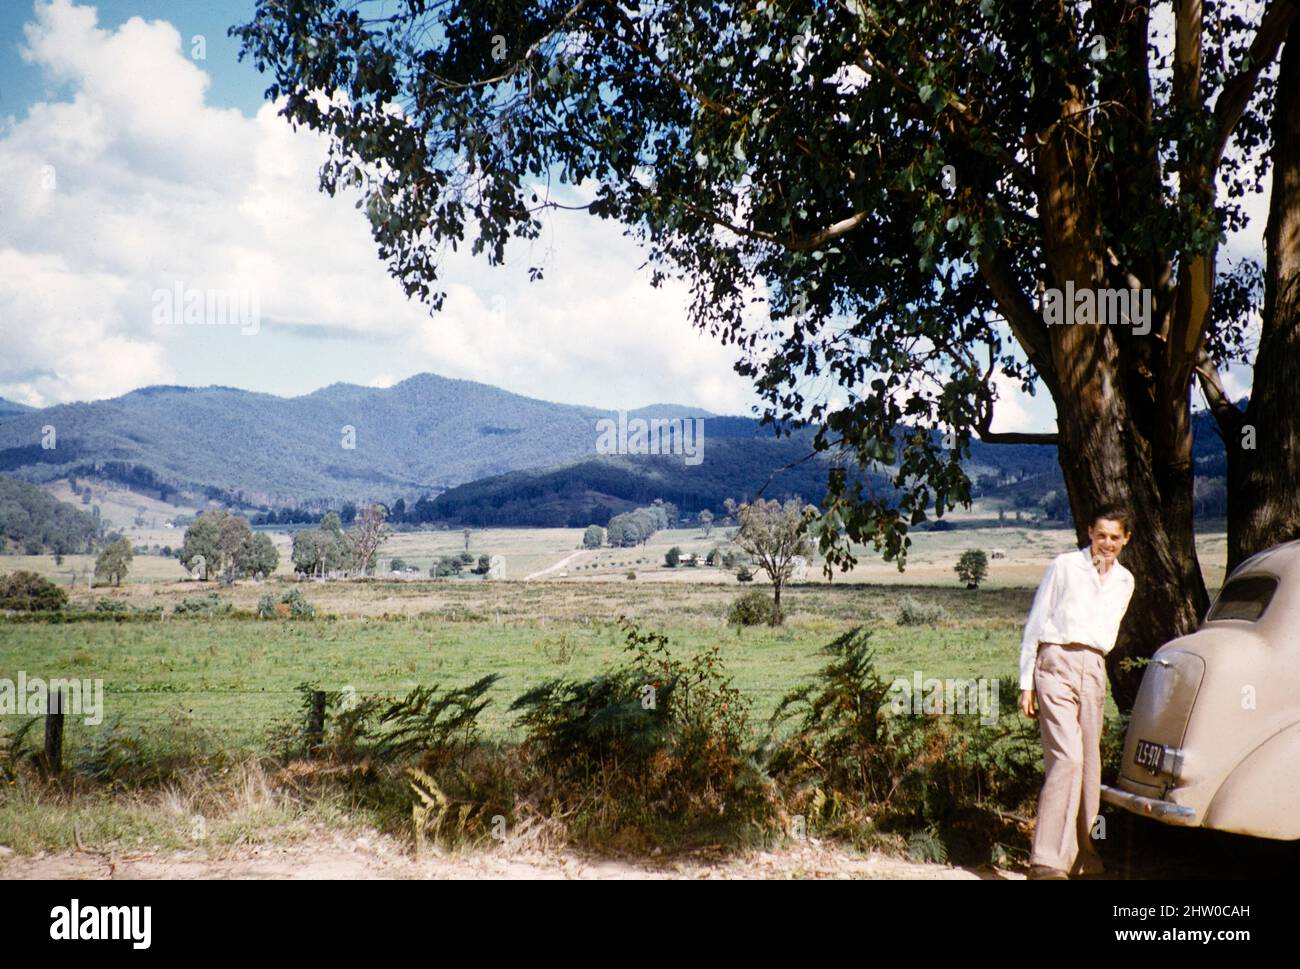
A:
1072	626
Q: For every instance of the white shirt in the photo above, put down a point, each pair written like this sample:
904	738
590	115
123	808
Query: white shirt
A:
1074	605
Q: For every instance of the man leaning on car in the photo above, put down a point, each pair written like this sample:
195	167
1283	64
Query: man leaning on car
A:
1072	625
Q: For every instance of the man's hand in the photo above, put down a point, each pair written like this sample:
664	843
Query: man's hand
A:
1029	704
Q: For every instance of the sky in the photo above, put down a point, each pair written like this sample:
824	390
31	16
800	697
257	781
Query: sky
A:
138	157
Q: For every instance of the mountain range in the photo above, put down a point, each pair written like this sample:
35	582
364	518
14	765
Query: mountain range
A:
491	456
425	434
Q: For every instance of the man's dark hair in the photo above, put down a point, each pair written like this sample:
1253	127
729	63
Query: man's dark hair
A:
1112	511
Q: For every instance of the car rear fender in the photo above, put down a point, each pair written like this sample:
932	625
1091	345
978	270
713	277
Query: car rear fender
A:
1260	797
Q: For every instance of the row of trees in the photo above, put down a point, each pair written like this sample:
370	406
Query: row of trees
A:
328	549
419	512
219	543
635	527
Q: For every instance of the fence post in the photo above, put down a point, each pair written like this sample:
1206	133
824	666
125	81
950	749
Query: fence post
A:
54	704
316	721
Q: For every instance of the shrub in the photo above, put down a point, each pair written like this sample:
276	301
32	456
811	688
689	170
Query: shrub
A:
744	575
655	742
854	768
120	610
912	612
840	727
753	608
298	606
428	720
206	605
631	575
266	606
673	557
27	592
446	566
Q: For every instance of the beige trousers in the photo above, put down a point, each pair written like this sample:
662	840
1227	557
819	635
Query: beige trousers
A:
1070	681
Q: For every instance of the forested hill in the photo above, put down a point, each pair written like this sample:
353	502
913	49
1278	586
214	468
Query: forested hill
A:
427	433
591	490
495	457
33	522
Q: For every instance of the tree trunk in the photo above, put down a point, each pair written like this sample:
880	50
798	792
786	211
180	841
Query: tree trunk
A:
1264	481
776	603
1118	440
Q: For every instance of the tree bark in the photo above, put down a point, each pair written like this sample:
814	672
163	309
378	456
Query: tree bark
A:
1264	481
1120	439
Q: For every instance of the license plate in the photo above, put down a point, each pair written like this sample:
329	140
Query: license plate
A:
1149	755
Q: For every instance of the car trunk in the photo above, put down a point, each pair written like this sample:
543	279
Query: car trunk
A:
1159	719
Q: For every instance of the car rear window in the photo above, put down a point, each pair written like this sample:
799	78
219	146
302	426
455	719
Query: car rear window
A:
1244	598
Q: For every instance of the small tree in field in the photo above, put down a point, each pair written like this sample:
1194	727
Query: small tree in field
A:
774	534
673	557
369	533
114	562
593	537
972	567
706	521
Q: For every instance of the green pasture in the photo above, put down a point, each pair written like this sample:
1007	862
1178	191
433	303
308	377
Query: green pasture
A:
232	677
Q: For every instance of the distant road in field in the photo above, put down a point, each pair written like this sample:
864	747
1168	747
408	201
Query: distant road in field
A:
557	566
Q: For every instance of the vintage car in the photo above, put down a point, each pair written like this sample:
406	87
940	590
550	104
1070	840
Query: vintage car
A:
1214	737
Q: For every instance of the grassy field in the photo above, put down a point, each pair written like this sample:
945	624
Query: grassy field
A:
233	676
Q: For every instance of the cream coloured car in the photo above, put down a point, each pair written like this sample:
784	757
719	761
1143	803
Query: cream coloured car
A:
1214	737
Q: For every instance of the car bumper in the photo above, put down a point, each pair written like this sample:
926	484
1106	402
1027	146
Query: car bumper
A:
1149	807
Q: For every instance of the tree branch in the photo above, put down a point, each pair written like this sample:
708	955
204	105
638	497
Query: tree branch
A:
797	243
1237	92
1226	414
1027	326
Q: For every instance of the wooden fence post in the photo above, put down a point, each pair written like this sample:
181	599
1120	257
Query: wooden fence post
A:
54	707
316	722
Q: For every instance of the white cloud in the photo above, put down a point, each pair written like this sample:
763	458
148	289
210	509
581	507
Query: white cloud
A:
155	186
1010	412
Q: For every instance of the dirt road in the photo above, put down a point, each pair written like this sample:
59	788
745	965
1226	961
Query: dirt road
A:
379	857
563	563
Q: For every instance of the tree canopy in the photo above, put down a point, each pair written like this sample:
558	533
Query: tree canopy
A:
901	183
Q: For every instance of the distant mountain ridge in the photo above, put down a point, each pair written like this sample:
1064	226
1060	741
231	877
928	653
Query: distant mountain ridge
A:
427	433
492	457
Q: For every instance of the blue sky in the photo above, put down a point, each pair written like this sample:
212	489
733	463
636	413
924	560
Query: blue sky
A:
129	167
